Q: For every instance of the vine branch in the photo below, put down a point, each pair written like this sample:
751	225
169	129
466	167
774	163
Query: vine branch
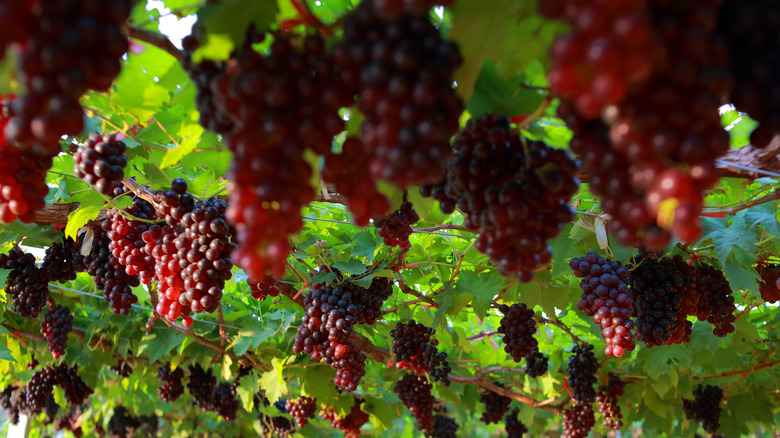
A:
151	37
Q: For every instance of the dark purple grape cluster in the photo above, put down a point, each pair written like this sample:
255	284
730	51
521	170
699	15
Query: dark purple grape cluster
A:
100	162
578	420
536	364
605	297
225	401
415	393
26	283
14	401
76	391
170	387
583	367
55	327
414	349
515	193
276	427
122	368
608	402
769	285
518	327
201	386
716	302
496	406
396	228
302	409
149	426
174	203
749	30
264	288
69	421
401	70
122	423
62	261
705	407
40	387
126	243
372	299
349	174
110	275
444	427
658	287
51	409
351	423
514	427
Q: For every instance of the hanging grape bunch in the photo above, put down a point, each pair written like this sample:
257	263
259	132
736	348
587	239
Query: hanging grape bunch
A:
415	393
351	423
414	349
516	195
536	364
174	203
716	302
583	367
100	162
518	326
608	402
123	423
126	243
705	407
201	386
170	387
578	420
75	389
26	283
55	327
62	261
496	405
110	276
605	297
302	409
514	427
226	402
444	427
396	228
769	285
264	288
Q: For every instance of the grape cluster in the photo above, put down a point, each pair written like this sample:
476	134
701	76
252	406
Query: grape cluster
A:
264	288
126	244
225	401
415	393
396	228
414	349
514	427
26	283
518	327
76	391
201	386
276	427
69	421
51	409
40	387
496	405
401	71
174	203
170	388
62	261
122	368
705	407
578	420
583	367
110	276
149	425
654	73
515	194
608	402
605	297
351	423
100	162
657	290
14	401
123	423
302	409
349	174
716	303
748	29
444	427
55	327
769	285
536	364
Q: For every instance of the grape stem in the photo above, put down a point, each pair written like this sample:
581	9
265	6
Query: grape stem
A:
156	39
773	196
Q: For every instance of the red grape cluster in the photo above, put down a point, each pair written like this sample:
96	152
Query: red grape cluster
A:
62	261
302	409
608	402
769	286
516	194
444	427
583	367
26	283
170	388
401	70
55	327
350	176
514	427
415	393
225	401
100	162
496	406
705	407
126	244
536	364
716	302
390	10
123	423
658	287
351	423
654	72
414	349
749	30
201	386
110	276
396	228
578	420
264	288
518	327
174	203
605	297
